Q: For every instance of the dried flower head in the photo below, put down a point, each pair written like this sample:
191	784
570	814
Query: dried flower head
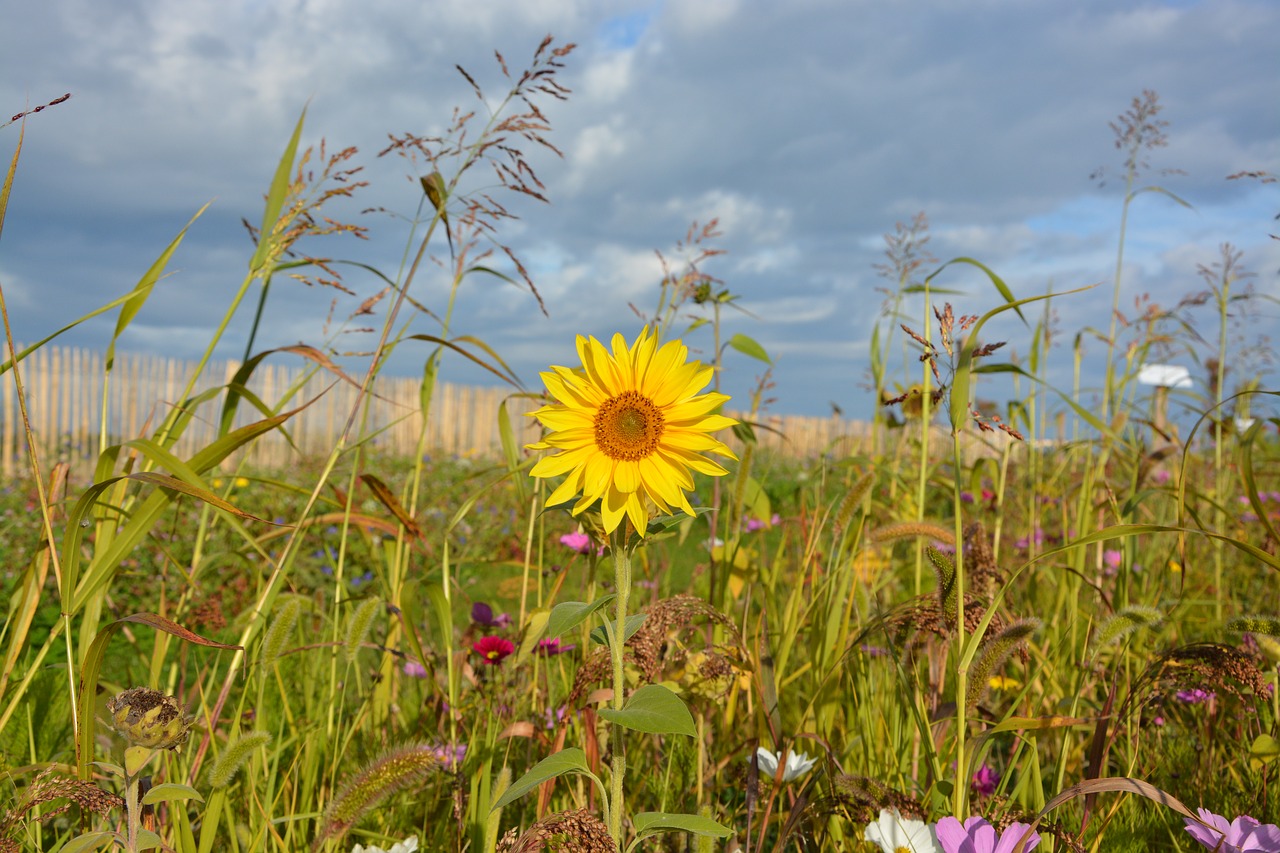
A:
150	719
576	830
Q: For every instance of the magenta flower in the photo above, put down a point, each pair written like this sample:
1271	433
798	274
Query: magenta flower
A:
979	836
985	781
493	649
1195	697
553	646
1112	559
415	669
1242	835
754	524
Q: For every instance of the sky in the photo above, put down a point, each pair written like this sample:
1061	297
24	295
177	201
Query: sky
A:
808	128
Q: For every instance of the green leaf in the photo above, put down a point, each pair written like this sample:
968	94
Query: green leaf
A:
654	709
142	290
90	841
1265	749
170	791
7	186
511	449
964	367
1084	414
651	823
275	198
634	621
571	760
568	615
748	346
755	501
148	840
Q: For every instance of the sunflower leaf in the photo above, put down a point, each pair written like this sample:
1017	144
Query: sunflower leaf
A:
634	621
568	615
651	823
655	710
571	760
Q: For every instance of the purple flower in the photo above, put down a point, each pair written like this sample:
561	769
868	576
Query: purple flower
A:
556	717
482	614
1036	537
415	669
966	497
985	781
976	835
1195	697
754	524
450	756
1242	835
552	646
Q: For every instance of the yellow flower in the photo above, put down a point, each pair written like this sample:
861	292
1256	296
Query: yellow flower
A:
241	482
629	426
1001	682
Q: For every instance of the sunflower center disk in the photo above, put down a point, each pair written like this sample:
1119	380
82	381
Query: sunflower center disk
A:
628	426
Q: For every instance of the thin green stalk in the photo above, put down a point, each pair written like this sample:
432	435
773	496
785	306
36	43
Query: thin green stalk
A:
960	794
622	584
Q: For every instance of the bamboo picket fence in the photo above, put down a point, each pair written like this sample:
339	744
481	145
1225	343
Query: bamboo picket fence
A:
67	407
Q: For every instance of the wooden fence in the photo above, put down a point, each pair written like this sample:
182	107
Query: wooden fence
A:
65	404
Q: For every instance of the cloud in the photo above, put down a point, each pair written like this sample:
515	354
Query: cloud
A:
807	129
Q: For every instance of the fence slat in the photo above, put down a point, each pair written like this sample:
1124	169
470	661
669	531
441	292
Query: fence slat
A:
65	398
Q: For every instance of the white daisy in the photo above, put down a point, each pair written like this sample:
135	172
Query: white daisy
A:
897	834
798	764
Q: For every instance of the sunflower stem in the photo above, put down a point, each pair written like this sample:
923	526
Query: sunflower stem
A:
622	582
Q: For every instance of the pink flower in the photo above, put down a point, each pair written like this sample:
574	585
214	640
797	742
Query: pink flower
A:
985	781
552	646
579	542
415	669
1242	835
978	836
450	756
1112	559
1195	697
493	649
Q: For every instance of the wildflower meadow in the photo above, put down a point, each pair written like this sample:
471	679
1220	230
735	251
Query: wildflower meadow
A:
1050	622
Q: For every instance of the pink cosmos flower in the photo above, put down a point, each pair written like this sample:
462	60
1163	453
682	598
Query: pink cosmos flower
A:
493	649
976	835
1242	835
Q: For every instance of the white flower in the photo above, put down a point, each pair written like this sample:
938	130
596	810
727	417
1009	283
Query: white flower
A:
409	845
895	833
798	764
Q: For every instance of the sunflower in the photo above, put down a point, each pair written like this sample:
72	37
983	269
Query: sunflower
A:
629	427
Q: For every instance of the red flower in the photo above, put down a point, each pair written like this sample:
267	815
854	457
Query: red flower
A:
493	649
